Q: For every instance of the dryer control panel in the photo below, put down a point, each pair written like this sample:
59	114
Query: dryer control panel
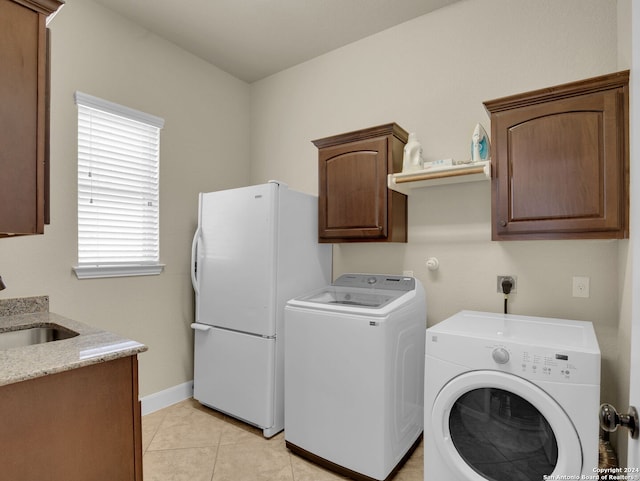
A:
538	363
376	281
542	363
534	348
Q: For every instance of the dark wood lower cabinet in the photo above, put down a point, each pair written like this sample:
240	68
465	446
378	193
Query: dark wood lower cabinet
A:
78	425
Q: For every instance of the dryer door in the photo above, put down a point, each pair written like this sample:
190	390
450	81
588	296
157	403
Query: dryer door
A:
496	426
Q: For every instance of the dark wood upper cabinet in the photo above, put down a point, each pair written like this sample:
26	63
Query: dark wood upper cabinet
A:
23	79
354	203
560	161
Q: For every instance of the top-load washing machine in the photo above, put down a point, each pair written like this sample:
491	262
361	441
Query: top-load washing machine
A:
511	398
354	374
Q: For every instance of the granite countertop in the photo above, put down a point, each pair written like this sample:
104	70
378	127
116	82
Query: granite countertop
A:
91	346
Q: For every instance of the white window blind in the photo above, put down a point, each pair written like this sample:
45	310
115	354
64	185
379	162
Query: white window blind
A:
118	195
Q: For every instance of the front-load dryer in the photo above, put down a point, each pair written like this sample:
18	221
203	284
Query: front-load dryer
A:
354	374
510	398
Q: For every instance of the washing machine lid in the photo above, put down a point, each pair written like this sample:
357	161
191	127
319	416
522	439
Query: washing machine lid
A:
350	297
491	444
369	294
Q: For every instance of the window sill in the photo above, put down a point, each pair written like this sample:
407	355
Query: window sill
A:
96	272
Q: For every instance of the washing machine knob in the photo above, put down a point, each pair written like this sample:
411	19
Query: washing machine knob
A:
500	355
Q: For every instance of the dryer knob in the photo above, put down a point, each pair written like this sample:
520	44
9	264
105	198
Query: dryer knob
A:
500	355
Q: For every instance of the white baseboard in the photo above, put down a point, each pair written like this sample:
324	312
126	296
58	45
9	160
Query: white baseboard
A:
159	400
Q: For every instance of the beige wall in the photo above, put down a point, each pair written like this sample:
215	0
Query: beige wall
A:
431	75
203	147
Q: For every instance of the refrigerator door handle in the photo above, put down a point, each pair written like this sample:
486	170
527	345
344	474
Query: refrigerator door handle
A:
200	327
194	260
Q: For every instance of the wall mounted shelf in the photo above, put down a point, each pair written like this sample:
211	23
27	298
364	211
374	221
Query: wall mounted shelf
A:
456	174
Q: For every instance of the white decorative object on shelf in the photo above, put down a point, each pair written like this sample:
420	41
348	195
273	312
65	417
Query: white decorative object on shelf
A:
412	160
479	144
470	172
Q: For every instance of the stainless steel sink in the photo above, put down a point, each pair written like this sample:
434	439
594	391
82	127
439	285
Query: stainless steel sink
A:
29	336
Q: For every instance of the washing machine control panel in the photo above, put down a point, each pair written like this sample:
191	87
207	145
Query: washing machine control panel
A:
377	281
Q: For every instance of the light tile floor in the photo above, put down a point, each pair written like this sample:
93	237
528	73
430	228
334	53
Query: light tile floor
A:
190	442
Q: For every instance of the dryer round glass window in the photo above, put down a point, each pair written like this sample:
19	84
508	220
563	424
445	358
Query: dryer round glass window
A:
505	404
502	436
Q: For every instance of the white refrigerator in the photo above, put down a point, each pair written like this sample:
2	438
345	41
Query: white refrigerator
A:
255	248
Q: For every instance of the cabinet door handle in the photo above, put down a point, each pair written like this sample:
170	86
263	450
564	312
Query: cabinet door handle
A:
503	223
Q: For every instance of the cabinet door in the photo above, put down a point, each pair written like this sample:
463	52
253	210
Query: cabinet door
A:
22	95
353	190
560	169
77	425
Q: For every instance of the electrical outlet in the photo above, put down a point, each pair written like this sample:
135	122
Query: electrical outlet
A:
580	286
513	279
